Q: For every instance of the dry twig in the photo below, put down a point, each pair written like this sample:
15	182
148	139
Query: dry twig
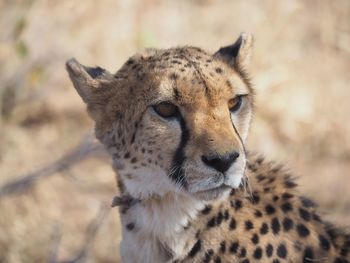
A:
85	149
90	235
56	240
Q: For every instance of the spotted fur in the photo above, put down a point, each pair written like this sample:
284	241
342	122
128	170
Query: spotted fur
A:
190	192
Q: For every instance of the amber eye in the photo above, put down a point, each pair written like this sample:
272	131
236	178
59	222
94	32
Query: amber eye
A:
235	103
166	110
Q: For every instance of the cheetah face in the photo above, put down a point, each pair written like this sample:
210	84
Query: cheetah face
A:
173	120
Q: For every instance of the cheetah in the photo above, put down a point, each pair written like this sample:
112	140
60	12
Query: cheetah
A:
175	122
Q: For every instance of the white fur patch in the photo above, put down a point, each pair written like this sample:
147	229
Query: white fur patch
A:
158	221
147	182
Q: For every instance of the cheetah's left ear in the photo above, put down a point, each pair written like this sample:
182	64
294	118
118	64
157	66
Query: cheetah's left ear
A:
87	80
239	53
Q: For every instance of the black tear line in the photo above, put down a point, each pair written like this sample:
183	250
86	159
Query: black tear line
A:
177	174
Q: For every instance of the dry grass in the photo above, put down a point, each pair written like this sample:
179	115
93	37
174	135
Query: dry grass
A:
301	71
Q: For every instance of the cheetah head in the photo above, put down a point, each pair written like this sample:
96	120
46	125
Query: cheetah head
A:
173	120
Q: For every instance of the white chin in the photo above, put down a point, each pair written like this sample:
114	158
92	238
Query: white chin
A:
213	194
234	181
234	175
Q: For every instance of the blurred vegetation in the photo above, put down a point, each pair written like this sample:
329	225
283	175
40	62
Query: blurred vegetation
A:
300	69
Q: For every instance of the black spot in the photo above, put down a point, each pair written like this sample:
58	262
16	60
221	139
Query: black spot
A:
206	209
260	160
261	177
130	62
130	226
195	249
282	251
217	259
271	180
275	198
269	250
133	160
233	192
245	261
218	70
275	225
187	226
223	247
304	214
287	224
233	224
332	232
286	207
249	225
270	209
127	155
234	247
306	202
257	253
324	243
289	183
242	253
226	215
255	239
316	217
212	222
219	218
275	261
175	62
257	213
308	255
267	189
302	230
287	196
255	198
264	229
238	204
208	254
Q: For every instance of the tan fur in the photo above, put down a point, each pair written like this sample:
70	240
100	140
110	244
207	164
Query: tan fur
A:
177	206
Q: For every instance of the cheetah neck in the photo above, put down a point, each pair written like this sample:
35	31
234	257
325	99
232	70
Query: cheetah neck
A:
158	229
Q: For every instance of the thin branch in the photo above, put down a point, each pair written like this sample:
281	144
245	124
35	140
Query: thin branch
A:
85	149
56	240
90	236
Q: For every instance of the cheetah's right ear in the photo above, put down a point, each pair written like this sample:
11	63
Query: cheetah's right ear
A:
239	53
87	80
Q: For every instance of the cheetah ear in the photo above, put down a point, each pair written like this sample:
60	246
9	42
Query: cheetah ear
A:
239	53
86	80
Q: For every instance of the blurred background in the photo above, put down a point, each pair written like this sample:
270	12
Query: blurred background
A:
59	207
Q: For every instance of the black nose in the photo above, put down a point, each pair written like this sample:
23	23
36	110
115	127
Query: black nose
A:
221	163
